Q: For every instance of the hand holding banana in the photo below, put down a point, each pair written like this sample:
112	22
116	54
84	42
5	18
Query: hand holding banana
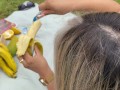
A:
24	43
27	42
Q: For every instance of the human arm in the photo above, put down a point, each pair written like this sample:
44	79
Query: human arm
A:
65	6
38	64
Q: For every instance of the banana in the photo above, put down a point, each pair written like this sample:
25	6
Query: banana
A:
7	64
3	46
26	42
22	44
12	45
32	44
34	28
8	59
6	69
39	45
16	30
30	47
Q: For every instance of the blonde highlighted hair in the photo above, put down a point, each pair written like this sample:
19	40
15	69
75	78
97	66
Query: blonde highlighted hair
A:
87	55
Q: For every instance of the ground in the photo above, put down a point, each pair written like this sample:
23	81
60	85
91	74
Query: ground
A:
8	6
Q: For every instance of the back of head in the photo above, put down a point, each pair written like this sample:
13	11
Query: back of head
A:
87	56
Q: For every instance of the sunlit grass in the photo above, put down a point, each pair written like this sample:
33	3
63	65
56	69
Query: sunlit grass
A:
118	1
8	6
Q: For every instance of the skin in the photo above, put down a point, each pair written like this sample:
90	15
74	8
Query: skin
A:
65	6
38	63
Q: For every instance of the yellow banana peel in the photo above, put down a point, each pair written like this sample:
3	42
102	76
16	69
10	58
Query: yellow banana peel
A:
16	30
32	44
39	45
6	69
4	47
6	56
27	42
3	65
34	29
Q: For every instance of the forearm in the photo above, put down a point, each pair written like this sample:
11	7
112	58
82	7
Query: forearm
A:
96	5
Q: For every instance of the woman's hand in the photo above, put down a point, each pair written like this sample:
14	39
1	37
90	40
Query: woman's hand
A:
36	63
56	6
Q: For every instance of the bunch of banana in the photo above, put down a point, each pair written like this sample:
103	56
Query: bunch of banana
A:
7	63
27	42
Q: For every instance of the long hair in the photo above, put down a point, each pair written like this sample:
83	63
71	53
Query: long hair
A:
88	55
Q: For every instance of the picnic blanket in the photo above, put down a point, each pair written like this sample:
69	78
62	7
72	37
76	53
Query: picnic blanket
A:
27	79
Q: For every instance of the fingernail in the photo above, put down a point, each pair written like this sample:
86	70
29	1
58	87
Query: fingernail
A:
40	15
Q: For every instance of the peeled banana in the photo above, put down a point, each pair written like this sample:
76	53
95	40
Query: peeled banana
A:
22	44
26	42
34	28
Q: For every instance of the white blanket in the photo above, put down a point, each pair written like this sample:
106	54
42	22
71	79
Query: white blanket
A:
26	79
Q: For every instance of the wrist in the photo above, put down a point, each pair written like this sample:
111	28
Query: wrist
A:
46	77
47	81
52	85
45	73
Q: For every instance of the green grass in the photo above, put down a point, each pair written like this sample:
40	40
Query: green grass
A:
8	6
118	1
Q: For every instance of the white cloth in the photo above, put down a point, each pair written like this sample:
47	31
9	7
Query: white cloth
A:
26	79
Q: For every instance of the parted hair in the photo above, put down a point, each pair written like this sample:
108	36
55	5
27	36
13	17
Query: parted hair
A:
88	54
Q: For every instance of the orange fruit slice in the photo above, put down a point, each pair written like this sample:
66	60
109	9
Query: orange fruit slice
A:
8	34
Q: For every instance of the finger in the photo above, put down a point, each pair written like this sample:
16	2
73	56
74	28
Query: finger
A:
27	56
43	6
47	12
24	63
21	60
41	15
37	51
